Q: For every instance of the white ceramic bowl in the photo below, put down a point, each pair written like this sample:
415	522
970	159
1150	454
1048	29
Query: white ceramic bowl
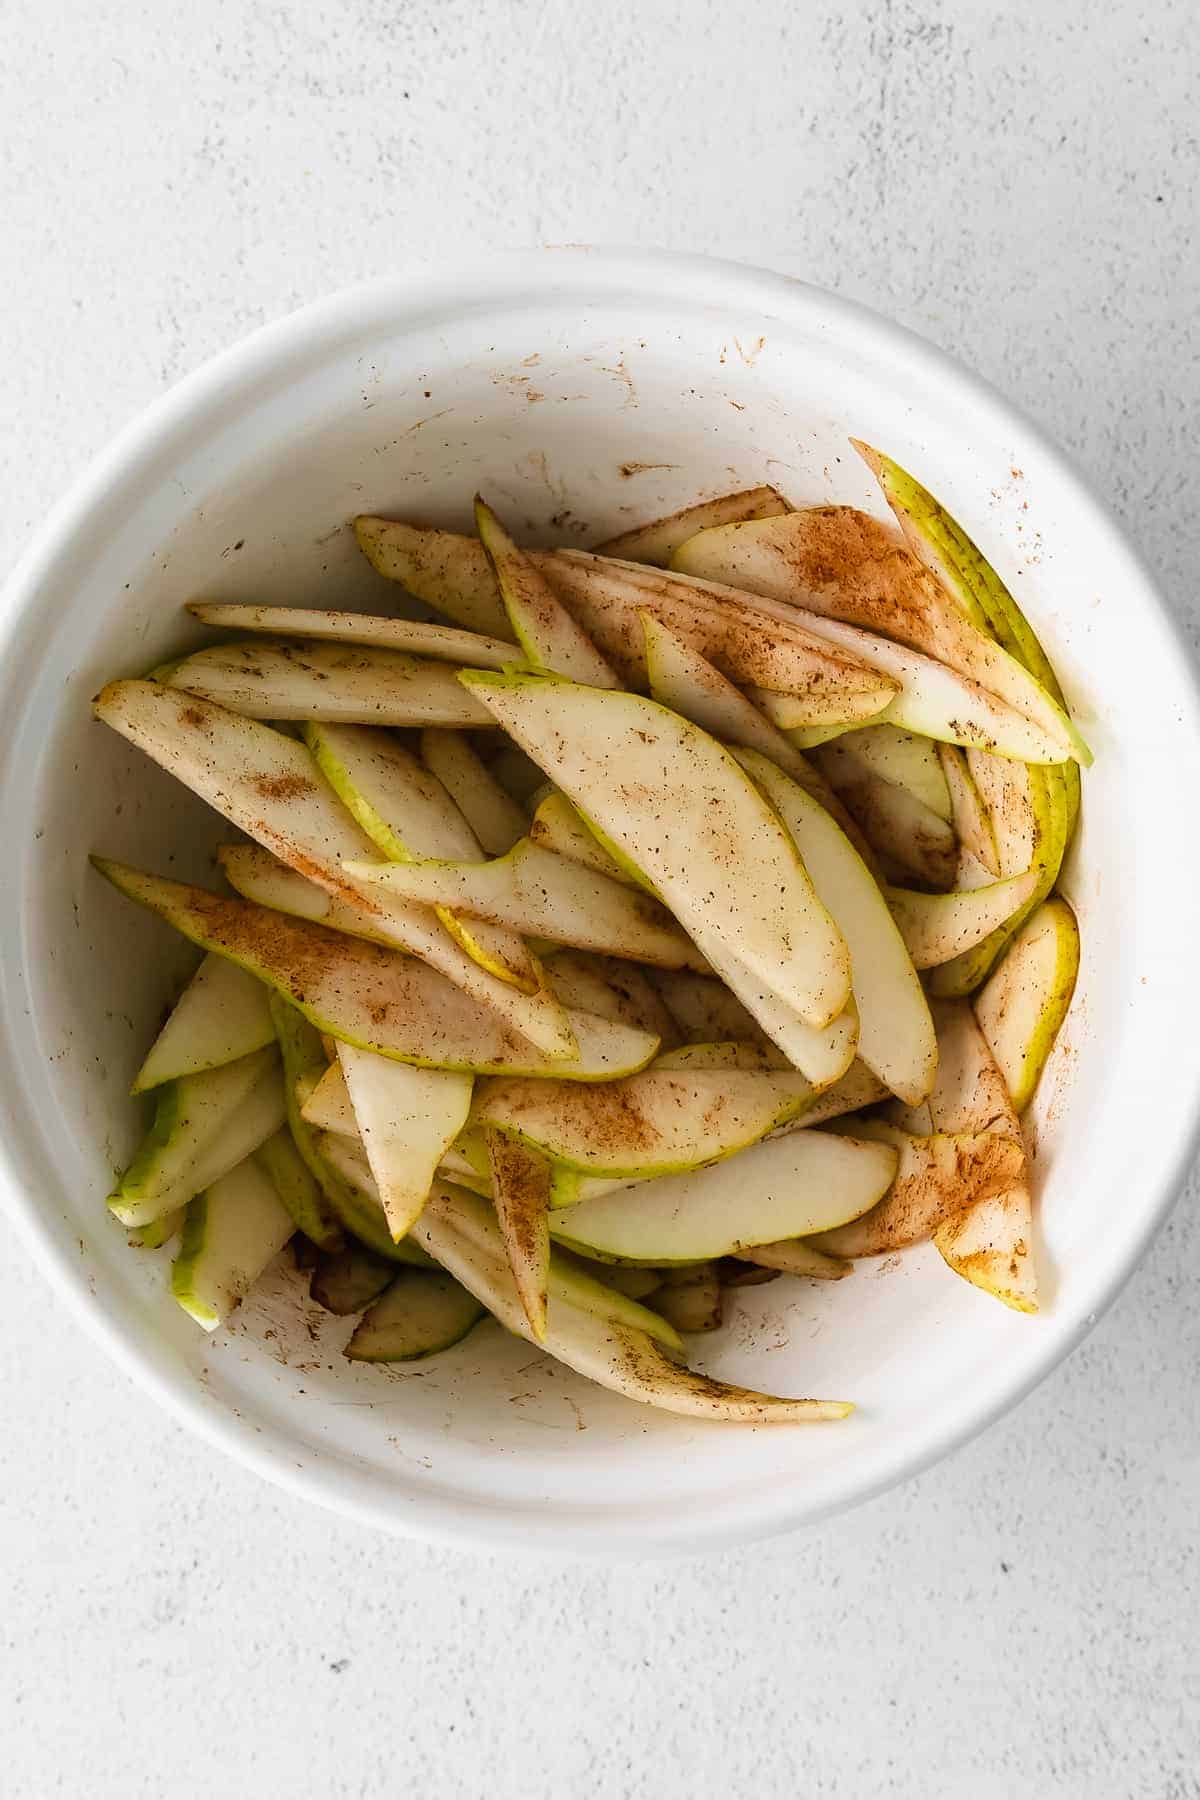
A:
582	391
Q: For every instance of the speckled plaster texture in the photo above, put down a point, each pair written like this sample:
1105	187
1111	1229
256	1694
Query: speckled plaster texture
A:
1016	180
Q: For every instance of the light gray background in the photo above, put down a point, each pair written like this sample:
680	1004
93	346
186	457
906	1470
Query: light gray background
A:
1017	180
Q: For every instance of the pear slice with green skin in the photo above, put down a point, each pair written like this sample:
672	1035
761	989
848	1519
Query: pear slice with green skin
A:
657	542
350	1280
440	643
423	1312
443	568
682	810
937	1179
790	1187
521	1196
793	1256
257	875
938	927
843	564
969	815
268	784
409	816
899	828
232	1232
295	679
611	988
905	760
407	1119
688	683
346	1173
191	1114
658	1122
895	1032
221	1015
493	816
1024	1002
297	1187
546	632
989	1244
532	890
363	994
157	1232
560	827
457	1228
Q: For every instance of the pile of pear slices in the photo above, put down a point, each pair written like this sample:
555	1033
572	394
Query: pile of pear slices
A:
681	915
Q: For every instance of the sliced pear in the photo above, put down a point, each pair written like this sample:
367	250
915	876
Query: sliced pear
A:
407	1118
534	891
611	988
546	632
1024	1002
521	1195
443	568
222	1014
557	826
424	1311
895	1032
518	775
459	1230
857	1088
688	683
298	1189
684	812
969	814
657	542
899	828
708	1058
349	1280
257	875
793	1256
938	927
232	1232
790	1187
417	638
496	820
293	679
408	815
658	1122
843	564
268	784
692	1301
937	1179
905	760
157	1232
327	1105
363	994
705	1009
191	1115
346	1174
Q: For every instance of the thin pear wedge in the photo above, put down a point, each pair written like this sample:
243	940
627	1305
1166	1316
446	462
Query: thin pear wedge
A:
521	1195
407	1118
232	1232
360	993
731	1054
899	827
552	641
297	1187
619	1356
222	1014
611	988
690	685
346	1178
937	1178
350	1280
557	826
438	642
843	564
793	1256
683	811
969	815
705	1010
790	1187
534	891
903	759
257	875
690	1298
989	1244
269	785
493	816
409	816
443	568
895	1032
295	679
423	1312
1024	1002
938	927
658	541
656	1123
193	1116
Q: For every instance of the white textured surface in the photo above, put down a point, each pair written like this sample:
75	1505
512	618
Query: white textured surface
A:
1015	181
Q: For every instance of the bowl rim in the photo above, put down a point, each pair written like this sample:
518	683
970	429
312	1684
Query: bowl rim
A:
139	449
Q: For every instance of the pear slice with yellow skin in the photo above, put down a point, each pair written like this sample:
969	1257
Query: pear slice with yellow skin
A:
295	679
938	927
443	568
557	826
521	1196
493	815
1022	1006
905	760
969	814
552	641
438	642
657	542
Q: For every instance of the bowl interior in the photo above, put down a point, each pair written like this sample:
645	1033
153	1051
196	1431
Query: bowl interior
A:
581	398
